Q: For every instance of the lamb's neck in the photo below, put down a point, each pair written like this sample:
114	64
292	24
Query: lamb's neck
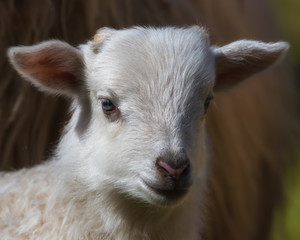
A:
119	218
157	222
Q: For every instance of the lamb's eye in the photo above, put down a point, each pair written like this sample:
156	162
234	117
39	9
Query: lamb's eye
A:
108	107
206	103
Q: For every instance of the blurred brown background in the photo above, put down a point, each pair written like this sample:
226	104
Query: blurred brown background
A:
253	130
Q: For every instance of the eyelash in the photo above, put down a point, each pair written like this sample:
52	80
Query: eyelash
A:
207	102
109	108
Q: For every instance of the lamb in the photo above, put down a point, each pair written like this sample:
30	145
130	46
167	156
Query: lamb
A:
132	162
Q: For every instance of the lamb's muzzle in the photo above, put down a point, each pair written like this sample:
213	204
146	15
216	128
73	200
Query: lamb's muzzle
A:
174	176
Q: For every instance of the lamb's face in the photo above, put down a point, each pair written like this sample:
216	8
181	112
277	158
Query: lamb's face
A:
140	100
149	92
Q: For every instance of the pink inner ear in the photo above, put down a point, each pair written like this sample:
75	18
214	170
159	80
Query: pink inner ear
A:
50	68
56	79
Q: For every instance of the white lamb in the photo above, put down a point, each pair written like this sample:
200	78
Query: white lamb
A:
132	160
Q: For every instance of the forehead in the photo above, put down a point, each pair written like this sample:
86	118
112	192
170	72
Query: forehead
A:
153	62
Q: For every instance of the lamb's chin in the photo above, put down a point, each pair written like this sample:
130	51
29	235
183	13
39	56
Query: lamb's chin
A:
153	196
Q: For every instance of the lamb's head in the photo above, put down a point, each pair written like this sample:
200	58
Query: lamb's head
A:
140	98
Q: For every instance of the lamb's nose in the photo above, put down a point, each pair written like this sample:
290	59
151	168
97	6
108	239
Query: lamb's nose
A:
175	171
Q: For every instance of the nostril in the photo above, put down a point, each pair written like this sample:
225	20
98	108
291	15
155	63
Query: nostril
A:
174	171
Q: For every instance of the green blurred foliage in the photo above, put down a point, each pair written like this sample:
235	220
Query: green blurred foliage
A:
288	15
287	222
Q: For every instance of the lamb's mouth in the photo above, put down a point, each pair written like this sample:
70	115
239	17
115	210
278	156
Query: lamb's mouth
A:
170	190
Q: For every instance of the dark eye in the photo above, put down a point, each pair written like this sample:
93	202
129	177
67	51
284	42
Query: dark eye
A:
108	107
206	103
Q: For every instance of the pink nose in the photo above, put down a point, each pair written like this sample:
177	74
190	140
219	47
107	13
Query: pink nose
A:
175	171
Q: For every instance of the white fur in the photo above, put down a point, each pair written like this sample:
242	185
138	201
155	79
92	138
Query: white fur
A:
93	187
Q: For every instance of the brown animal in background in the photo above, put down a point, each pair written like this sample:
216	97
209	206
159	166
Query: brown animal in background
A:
257	121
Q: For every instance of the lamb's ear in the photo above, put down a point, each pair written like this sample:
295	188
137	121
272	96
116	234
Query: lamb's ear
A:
54	66
241	59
